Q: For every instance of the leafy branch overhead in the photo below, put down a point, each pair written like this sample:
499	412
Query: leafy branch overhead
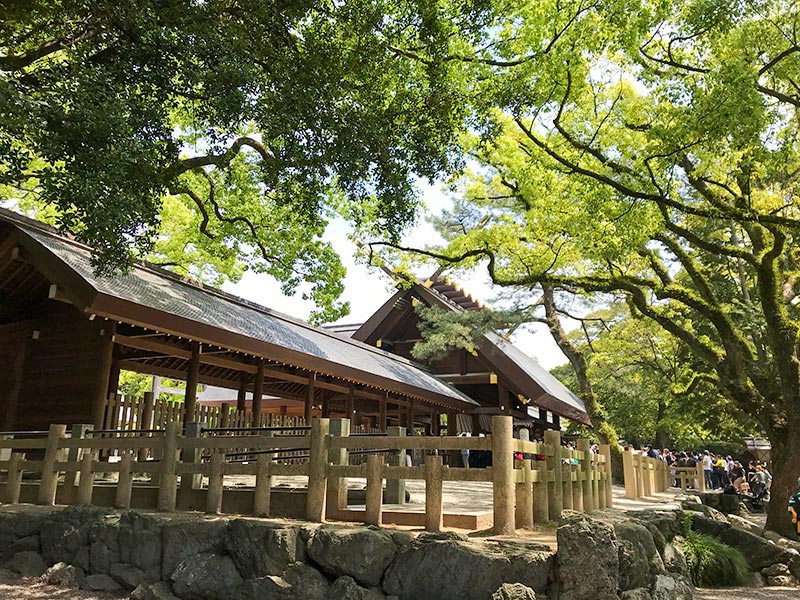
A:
254	122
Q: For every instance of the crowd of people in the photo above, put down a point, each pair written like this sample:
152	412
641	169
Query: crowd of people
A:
720	472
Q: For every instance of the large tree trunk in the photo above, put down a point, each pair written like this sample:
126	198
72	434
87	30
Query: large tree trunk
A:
604	430
785	471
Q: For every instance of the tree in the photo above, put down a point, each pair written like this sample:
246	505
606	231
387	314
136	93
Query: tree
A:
264	119
652	150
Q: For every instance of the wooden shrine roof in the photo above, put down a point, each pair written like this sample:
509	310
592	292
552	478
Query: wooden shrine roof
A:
157	300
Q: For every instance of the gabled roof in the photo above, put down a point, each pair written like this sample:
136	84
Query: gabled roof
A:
157	299
528	376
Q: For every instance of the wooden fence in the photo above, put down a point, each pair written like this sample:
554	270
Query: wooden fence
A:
644	475
524	491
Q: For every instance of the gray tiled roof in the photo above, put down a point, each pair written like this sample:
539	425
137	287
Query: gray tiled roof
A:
167	293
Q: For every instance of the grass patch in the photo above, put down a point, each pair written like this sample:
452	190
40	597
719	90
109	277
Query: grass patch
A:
711	562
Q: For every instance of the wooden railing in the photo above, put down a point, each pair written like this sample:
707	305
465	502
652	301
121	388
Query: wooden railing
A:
644	475
524	491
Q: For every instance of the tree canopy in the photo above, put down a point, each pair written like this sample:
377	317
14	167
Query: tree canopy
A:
261	119
651	150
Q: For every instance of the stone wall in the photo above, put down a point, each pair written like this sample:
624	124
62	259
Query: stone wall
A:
164	556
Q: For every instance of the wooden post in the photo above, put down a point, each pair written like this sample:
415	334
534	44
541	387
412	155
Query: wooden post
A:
14	478
73	455
587	493
191	481
605	450
125	482
350	408
503	474
261	495
337	486
192	376
631	491
410	416
382	412
168	490
502	399
555	498
241	396
317	470
646	470
49	483
597	490
523	517
701	477
541	514
309	398
433	493
396	488
103	373
374	498
216	478
452	423
147	421
258	394
86	481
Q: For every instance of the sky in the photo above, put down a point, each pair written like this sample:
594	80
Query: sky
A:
368	288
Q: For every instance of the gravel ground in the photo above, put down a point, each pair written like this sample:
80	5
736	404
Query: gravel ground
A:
14	587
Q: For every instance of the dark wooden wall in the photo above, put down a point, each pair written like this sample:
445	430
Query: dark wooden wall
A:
13	343
61	372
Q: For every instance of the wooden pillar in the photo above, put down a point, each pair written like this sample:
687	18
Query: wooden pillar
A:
317	470
103	374
350	407
113	376
192	376
241	397
502	399
631	489
587	491
309	398
410	416
258	393
452	422
374	500
555	498
433	493
503	474
523	515
435	423
337	486
49	482
382	415
326	404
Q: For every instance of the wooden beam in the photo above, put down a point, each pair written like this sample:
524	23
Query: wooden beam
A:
103	373
350	407
190	397
382	415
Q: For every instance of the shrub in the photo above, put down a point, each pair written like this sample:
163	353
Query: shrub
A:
711	562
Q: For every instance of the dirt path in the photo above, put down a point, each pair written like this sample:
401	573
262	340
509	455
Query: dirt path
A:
14	587
766	593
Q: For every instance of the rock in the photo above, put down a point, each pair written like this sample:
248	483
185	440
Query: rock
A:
588	558
758	552
688	498
362	554
402	538
782	581
27	544
64	575
128	576
67	531
454	569
794	566
668	587
307	582
711	527
271	587
729	504
514	591
28	564
100	582
345	588
637	594
183	538
776	570
261	548
740	523
82	559
155	591
667	522
206	576
140	541
674	560
757	580
707	511
639	559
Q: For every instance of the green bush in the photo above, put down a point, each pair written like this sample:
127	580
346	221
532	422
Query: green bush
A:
711	562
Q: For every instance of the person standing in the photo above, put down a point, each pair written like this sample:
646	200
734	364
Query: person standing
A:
707	471
794	508
465	452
